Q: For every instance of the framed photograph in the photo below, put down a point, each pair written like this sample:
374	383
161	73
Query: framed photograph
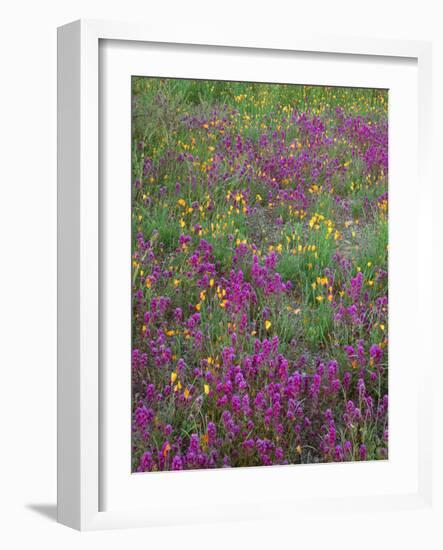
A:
243	229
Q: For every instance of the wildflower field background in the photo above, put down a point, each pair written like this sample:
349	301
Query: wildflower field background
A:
259	273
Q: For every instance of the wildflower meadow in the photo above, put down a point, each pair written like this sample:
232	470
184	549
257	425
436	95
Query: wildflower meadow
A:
259	274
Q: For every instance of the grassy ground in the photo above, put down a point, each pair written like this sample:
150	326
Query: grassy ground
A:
259	274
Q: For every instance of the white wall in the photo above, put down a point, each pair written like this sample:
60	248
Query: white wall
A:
28	236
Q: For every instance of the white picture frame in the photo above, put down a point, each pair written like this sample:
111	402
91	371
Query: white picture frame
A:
80	413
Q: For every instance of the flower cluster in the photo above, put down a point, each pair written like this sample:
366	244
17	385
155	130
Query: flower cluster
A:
259	275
